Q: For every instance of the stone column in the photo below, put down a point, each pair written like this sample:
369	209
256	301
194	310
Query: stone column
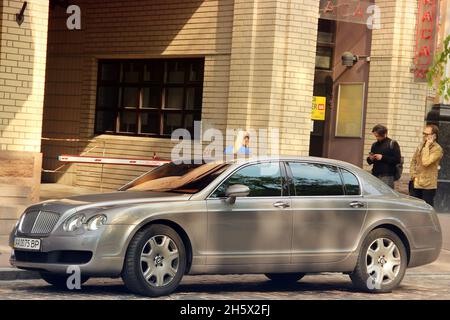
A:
272	69
22	74
394	99
23	50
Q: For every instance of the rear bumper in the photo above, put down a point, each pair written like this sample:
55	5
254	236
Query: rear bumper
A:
426	246
423	256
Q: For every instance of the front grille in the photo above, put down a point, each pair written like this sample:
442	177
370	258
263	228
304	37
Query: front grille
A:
28	221
39	222
58	257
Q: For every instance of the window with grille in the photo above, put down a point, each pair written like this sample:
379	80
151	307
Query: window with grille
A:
148	97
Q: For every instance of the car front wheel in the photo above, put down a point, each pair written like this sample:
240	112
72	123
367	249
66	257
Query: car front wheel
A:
381	263
155	261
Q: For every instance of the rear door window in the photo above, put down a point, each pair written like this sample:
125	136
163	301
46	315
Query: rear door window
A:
313	179
351	183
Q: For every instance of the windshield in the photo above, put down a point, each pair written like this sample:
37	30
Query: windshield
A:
181	178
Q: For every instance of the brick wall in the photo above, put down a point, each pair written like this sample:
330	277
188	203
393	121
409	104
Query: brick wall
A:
135	29
22	75
259	58
64	77
272	69
394	99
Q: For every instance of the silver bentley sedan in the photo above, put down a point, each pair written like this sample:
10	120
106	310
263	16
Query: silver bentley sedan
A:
282	217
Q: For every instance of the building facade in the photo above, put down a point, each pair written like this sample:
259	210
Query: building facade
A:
137	70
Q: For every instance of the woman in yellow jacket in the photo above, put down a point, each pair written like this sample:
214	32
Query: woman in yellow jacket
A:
425	165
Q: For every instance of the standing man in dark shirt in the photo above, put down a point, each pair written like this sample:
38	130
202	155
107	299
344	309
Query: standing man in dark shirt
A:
384	155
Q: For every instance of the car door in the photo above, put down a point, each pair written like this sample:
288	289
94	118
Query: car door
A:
328	212
256	229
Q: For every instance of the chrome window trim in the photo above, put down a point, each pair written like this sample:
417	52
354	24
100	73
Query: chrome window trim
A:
209	197
361	195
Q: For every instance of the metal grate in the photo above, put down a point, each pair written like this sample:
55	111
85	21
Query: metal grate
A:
39	222
45	222
28	221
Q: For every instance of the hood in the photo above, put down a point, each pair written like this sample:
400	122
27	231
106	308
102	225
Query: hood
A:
103	200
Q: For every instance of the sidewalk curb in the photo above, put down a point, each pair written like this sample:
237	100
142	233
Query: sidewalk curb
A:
9	273
12	274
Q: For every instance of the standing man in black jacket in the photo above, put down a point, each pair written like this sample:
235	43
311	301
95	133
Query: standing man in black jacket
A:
384	155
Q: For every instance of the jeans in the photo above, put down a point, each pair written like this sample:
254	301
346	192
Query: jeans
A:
389	180
425	194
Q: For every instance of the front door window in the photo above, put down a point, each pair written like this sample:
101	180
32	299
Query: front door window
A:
263	180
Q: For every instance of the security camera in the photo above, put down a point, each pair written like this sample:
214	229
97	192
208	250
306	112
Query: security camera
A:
349	59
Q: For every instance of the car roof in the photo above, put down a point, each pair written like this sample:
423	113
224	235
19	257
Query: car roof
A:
298	158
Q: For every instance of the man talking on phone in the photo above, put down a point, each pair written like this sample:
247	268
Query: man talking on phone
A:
425	165
384	155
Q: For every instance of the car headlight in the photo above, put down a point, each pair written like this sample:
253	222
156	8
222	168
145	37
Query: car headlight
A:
96	222
74	223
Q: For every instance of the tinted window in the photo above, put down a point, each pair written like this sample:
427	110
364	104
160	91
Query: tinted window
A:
181	178
351	183
312	179
263	180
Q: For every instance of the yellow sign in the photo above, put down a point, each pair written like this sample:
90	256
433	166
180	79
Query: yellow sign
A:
318	108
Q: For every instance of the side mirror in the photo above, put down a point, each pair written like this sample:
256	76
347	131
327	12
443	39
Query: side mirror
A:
236	190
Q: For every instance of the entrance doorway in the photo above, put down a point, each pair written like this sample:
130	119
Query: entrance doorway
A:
323	83
340	135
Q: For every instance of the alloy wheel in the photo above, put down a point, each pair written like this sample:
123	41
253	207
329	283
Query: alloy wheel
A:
383	261
160	260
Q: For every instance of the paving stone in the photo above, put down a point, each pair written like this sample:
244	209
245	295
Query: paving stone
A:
415	286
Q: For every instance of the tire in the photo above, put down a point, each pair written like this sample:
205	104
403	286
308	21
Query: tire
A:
59	280
383	254
155	261
285	277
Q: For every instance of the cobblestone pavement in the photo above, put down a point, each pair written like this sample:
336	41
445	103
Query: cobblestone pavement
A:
416	285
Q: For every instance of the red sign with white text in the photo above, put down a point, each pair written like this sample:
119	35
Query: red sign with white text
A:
355	11
425	38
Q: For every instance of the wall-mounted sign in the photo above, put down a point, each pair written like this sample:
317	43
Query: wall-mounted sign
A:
425	38
355	11
318	108
350	107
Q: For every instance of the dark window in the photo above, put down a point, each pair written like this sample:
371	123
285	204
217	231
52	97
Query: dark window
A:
312	179
263	180
149	97
351	183
325	45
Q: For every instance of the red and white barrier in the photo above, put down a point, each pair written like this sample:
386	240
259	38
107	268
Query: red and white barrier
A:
108	160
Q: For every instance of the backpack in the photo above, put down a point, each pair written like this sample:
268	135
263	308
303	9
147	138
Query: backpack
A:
398	166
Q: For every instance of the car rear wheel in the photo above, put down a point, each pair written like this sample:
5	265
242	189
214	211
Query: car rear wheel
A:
59	280
155	261
285	277
381	263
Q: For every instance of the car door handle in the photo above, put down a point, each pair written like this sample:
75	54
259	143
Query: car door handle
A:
281	204
356	204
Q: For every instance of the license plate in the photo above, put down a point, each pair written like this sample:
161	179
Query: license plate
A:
28	244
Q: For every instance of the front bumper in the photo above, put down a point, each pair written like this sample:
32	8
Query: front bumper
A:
96	253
